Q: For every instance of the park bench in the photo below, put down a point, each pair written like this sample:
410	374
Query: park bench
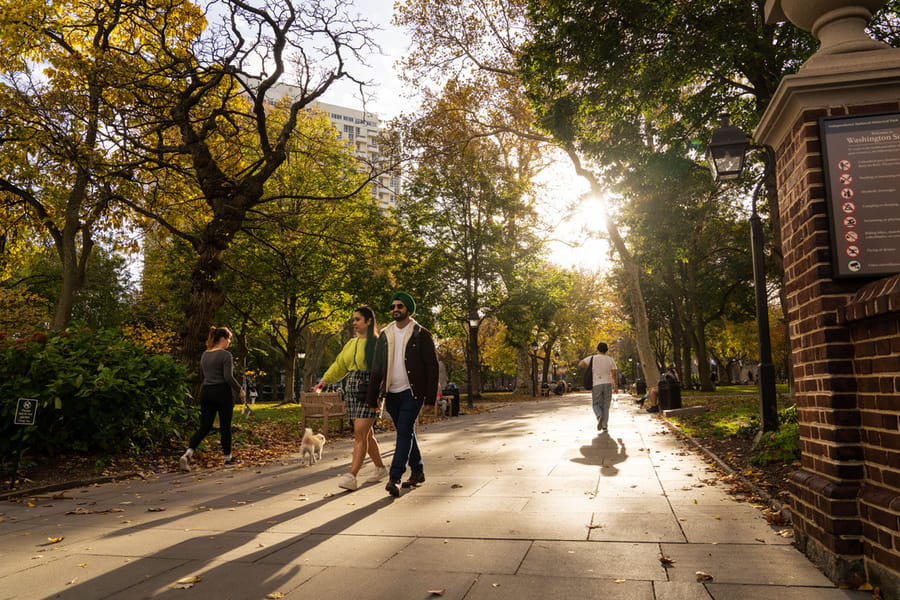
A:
322	406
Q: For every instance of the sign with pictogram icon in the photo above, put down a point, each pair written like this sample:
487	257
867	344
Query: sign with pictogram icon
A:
861	159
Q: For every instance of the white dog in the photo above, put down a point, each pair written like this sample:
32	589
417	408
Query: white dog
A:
311	446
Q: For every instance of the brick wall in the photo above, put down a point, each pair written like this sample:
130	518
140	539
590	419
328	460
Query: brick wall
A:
845	348
873	319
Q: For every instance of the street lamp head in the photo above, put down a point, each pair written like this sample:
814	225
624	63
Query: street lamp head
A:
301	355
726	151
473	318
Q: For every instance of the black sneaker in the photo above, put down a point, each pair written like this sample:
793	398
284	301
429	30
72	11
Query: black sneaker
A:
414	480
599	426
653	409
392	488
230	462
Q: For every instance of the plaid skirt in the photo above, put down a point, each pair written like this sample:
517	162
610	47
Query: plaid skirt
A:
355	385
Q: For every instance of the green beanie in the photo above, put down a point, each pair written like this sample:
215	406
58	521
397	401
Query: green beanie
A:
406	299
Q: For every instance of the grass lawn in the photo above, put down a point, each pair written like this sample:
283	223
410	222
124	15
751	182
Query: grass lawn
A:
730	410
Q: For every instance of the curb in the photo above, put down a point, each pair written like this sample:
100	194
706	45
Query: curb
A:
774	503
67	485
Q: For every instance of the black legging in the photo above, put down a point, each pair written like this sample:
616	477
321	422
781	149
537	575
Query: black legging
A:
215	399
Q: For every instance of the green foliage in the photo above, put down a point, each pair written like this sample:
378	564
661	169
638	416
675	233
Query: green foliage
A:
95	390
775	446
731	411
102	298
21	310
778	446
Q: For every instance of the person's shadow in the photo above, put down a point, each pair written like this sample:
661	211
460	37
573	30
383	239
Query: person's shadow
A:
604	452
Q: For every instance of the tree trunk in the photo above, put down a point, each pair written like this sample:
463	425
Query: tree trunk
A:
632	277
523	371
207	297
71	282
473	366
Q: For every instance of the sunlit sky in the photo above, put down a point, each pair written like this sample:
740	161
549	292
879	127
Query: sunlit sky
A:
389	97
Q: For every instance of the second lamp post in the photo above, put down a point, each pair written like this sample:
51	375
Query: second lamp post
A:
726	161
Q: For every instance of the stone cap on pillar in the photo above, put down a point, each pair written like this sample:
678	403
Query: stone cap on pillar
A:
850	68
839	25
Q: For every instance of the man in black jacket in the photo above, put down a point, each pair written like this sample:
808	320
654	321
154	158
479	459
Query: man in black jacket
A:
405	368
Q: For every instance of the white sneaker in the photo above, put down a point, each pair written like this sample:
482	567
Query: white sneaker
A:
184	463
348	482
379	474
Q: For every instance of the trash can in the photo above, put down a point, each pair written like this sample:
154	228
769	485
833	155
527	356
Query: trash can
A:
640	387
453	393
669	393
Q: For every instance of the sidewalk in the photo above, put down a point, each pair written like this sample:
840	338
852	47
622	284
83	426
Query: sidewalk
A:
529	501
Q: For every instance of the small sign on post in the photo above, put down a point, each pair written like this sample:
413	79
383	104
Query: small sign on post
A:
26	411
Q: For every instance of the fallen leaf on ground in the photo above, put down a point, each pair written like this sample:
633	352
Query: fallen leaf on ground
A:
702	576
187	583
786	533
80	511
665	561
436	592
275	595
55	540
620	581
155	509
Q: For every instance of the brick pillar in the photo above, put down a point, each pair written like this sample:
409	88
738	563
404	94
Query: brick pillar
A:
845	345
824	491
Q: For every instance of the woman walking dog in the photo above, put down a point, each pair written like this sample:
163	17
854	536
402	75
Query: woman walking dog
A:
353	365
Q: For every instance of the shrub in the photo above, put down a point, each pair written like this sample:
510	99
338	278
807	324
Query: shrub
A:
782	445
95	391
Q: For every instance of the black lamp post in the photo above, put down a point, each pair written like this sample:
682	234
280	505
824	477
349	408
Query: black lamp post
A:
474	320
726	161
534	349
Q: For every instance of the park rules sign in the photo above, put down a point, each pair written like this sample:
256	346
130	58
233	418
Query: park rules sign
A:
861	158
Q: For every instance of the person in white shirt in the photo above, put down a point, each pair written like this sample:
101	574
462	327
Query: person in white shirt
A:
405	369
605	383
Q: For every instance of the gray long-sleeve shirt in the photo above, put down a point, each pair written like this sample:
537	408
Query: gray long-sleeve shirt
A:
216	367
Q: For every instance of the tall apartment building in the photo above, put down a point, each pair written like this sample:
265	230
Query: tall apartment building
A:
360	130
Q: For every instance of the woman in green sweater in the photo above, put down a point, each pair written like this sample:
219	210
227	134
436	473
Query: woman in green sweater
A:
352	364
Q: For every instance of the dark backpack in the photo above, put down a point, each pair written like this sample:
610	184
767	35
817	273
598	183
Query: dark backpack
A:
589	375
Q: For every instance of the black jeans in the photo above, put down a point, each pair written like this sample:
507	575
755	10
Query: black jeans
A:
215	400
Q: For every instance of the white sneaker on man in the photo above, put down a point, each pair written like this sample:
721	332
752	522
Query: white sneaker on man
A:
184	463
379	474
348	482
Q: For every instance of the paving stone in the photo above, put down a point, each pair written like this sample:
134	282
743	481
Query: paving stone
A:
455	555
528	587
768	592
608	560
760	564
